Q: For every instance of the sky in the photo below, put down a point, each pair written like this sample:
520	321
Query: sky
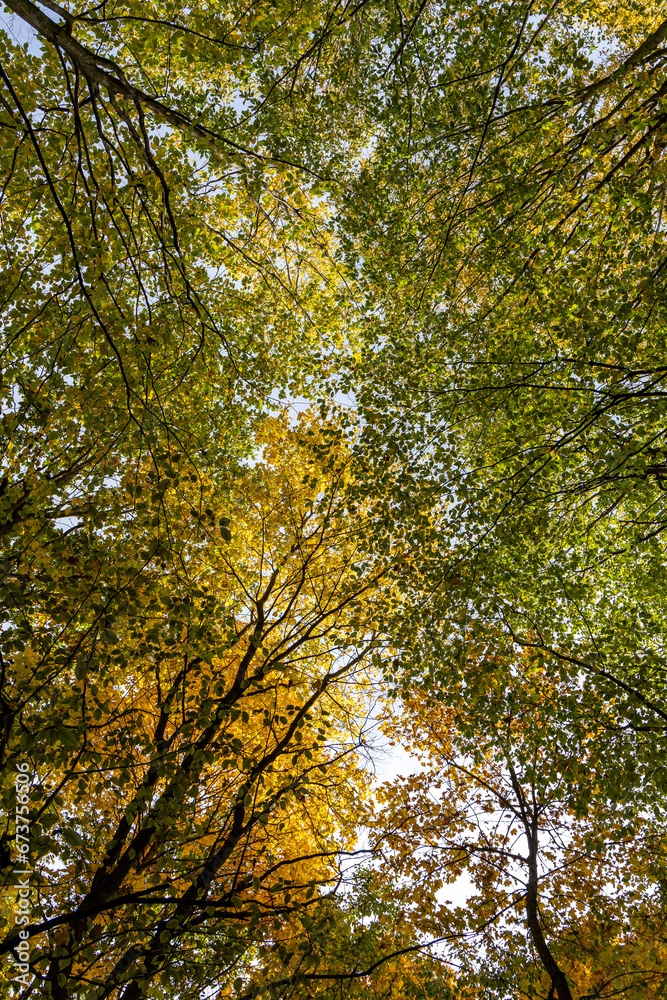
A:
20	32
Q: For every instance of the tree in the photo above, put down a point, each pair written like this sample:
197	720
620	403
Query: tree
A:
161	278
189	721
529	795
150	301
522	356
508	232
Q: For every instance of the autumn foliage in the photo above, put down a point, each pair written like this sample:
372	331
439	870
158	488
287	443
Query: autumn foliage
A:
333	419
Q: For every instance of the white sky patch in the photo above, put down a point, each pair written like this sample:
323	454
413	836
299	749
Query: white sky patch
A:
20	33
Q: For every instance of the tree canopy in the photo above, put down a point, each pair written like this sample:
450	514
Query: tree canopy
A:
333	415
